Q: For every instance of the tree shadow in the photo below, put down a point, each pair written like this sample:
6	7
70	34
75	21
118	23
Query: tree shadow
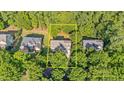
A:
9	32
88	38
61	38
35	35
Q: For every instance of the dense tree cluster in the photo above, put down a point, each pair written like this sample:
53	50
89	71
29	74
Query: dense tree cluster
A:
24	20
85	64
58	59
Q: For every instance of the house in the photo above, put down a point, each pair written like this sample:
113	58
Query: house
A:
63	45
96	44
31	44
6	41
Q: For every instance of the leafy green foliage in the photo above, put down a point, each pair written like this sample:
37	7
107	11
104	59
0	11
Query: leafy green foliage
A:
57	74
9	69
34	70
77	74
21	56
2	25
57	28
58	59
91	65
81	59
63	18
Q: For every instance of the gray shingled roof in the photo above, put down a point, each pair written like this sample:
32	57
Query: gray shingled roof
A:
64	45
6	40
31	44
96	44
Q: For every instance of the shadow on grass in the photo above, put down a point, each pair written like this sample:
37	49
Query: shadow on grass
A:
60	38
89	38
35	35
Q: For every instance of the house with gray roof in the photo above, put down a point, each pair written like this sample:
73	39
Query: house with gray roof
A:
96	44
63	45
31	44
6	41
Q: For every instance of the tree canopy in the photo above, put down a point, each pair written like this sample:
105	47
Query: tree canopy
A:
83	64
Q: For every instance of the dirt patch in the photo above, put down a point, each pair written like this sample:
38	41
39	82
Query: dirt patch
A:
35	31
10	28
62	33
25	77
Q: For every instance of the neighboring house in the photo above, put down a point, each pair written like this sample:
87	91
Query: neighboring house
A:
63	45
6	41
31	44
96	44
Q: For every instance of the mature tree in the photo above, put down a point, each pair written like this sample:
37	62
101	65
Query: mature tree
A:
2	25
81	59
22	20
63	18
5	56
117	43
58	59
9	71
32	65
116	65
77	74
9	68
34	70
47	18
21	56
34	19
57	74
40	59
41	21
98	65
85	25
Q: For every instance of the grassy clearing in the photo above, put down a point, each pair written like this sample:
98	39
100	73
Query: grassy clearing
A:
65	35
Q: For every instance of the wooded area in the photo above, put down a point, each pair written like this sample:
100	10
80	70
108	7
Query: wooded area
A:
88	64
